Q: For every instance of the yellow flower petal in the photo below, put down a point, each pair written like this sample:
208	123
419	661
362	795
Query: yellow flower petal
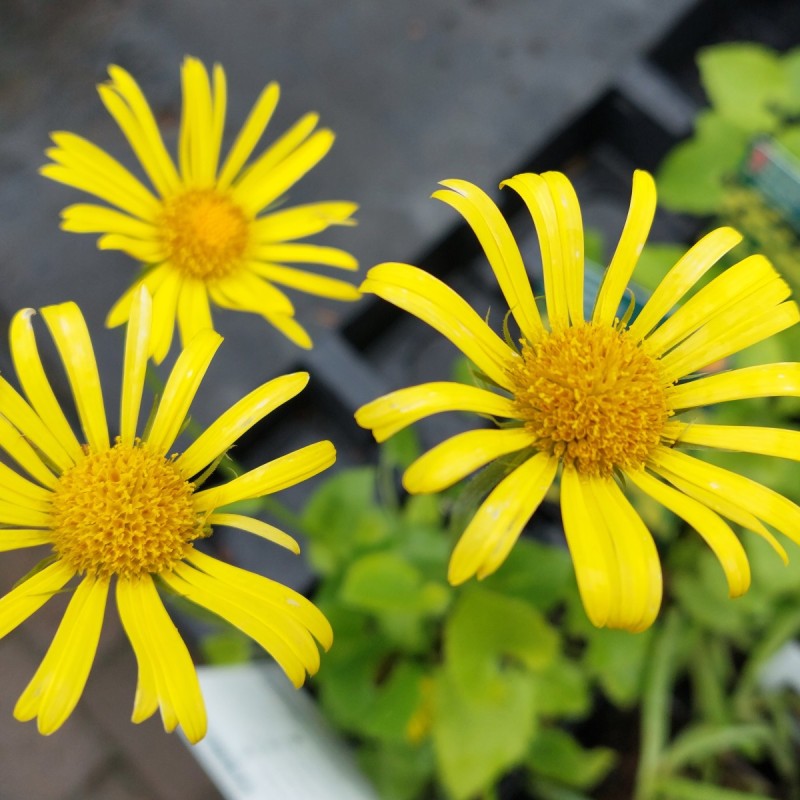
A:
717	534
151	279
633	238
19	449
30	595
308	282
500	519
165	308
71	337
237	420
303	220
739	291
194	312
254	526
198	157
19	538
440	307
180	389
591	549
15	485
137	348
389	414
305	253
91	218
34	382
58	683
501	250
12	514
281	473
682	277
264	590
249	135
458	456
148	252
768	380
639	569
778	442
245	291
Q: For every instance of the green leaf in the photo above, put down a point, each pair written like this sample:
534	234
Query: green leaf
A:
682	789
655	261
746	83
537	573
478	738
226	647
557	755
692	176
341	517
486	633
398	771
700	742
385	582
618	659
562	690
401	449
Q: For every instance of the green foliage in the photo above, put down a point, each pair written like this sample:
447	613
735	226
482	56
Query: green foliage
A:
557	755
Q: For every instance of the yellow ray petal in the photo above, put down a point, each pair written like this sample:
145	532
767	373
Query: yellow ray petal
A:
306	254
272	593
58	683
308	282
180	389
439	306
15	485
249	135
778	442
717	534
633	238
591	549
773	508
245	291
716	340
639	569
501	250
768	380
251	525
90	218
303	220
194	312
137	348
151	251
167	655
278	474
389	414
87	167
737	293
290	328
71	337
291	646
18	448
127	104
198	162
165	308
12	514
500	519
458	456
19	538
219	104
682	277
152	279
32	594
265	181
238	419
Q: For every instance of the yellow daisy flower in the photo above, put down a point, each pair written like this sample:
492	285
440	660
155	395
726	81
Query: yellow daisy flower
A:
598	396
126	514
208	232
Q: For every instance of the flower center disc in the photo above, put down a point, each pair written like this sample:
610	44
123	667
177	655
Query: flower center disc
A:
205	233
125	511
591	396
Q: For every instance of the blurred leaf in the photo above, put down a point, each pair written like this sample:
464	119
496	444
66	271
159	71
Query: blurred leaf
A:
399	771
691	177
562	690
655	261
746	83
594	245
617	659
557	755
486	632
422	509
477	738
401	449
226	647
699	742
537	573
682	789
342	516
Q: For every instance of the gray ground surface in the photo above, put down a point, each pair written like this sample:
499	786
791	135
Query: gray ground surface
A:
416	91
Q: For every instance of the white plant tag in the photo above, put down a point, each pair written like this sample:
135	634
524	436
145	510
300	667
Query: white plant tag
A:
267	741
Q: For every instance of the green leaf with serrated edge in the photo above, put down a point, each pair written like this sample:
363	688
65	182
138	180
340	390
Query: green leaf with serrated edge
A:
617	660
486	633
342	517
398	771
479	737
699	742
745	83
562	690
692	176
537	573
555	754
